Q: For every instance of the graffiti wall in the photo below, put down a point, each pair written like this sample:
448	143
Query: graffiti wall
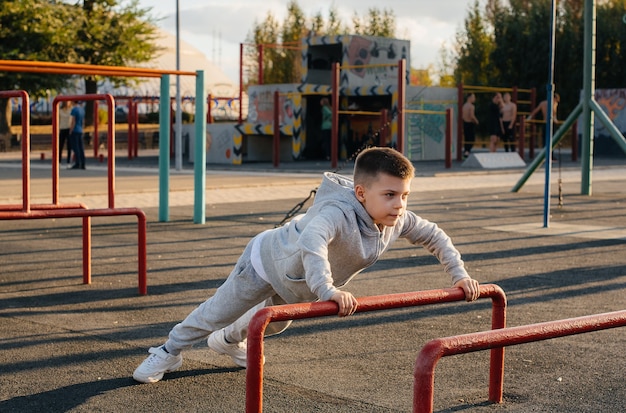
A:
426	122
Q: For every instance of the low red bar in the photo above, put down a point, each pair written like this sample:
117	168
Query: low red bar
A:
258	324
430	354
86	214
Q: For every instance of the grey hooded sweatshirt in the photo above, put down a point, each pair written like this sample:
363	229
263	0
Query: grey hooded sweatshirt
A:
318	252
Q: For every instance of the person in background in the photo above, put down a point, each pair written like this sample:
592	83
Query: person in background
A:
469	124
543	108
509	114
77	121
496	129
65	108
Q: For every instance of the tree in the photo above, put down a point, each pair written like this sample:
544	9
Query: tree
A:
474	47
32	30
113	35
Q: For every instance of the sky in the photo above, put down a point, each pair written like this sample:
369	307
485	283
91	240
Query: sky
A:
217	28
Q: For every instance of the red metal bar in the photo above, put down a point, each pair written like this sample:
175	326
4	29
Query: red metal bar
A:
401	104
26	143
256	328
435	349
260	57
86	250
18	207
384	128
88	213
334	105
129	140
522	137
276	137
448	144
135	121
96	140
110	141
459	124
240	83
209	116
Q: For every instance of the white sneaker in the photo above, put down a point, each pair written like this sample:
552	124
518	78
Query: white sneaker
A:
237	351
156	364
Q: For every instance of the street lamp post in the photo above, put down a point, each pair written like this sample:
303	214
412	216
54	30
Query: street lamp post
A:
179	116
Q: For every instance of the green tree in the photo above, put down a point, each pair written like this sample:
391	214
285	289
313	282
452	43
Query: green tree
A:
32	30
113	34
474	47
375	23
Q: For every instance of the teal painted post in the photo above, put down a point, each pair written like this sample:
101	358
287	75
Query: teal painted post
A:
199	156
164	150
589	54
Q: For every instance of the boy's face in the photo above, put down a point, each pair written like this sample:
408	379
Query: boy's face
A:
385	198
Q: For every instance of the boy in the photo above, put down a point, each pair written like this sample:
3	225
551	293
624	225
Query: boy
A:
350	224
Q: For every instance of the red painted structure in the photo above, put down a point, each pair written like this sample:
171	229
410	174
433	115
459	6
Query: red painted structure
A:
57	210
435	349
258	324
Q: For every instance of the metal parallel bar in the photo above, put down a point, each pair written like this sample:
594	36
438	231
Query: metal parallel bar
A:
430	354
88	213
25	143
256	329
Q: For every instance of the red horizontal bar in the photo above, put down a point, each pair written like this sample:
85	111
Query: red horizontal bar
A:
87	213
430	354
256	328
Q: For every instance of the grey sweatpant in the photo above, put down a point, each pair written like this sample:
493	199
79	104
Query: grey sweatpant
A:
231	307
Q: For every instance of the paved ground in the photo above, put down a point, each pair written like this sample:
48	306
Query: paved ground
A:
65	346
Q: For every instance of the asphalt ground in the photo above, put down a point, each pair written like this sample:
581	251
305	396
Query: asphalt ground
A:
69	347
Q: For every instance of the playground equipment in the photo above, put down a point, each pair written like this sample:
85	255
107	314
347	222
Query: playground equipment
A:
164	124
430	354
258	324
587	108
529	101
58	210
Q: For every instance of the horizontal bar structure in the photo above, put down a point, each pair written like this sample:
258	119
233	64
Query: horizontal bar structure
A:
430	354
258	324
61	211
74	210
83	69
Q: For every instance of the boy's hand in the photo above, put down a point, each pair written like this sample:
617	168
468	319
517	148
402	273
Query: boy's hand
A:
346	301
470	287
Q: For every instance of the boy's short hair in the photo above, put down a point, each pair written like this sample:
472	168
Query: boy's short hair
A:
373	161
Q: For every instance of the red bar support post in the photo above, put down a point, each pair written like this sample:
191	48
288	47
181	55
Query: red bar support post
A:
521	140
240	119
334	103
276	137
96	140
401	104
384	128
209	116
459	124
256	328
432	351
26	142
448	144
86	250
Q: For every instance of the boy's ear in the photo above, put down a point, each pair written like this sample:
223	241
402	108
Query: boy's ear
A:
359	191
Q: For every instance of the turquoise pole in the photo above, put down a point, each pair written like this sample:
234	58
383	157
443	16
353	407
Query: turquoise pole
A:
164	150
199	166
589	70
